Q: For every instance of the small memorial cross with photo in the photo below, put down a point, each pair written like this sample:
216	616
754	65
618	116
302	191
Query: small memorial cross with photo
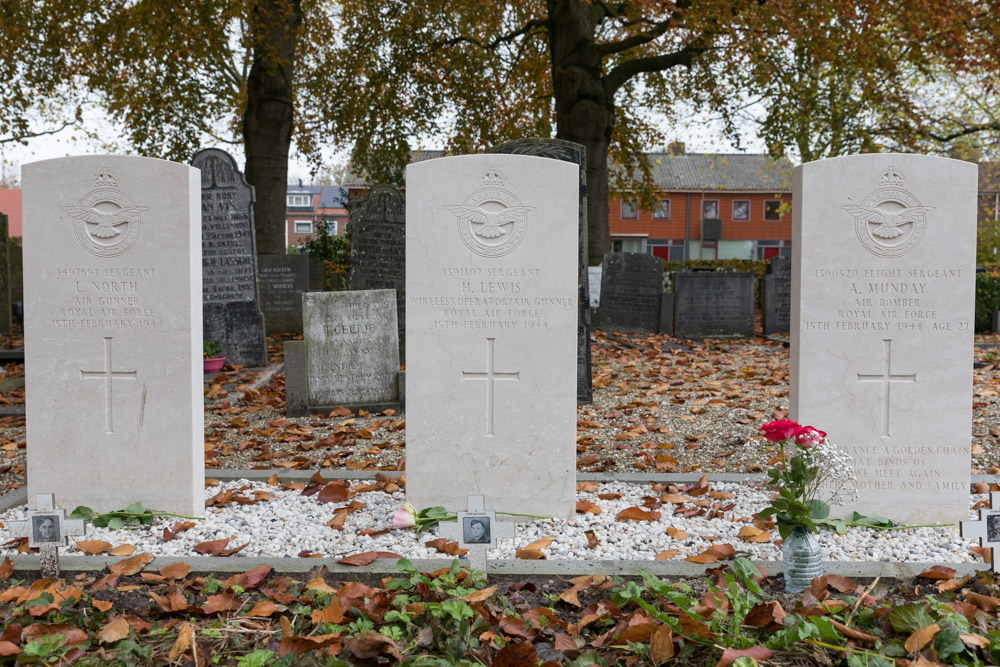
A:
477	530
47	529
986	528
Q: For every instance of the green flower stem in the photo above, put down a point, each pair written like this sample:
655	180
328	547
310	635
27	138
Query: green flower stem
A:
861	524
532	516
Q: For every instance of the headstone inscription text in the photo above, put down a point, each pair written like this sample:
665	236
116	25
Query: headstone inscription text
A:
231	314
283	279
882	273
112	332
492	313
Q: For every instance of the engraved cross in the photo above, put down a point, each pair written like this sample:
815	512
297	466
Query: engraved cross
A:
490	375
109	376
887	378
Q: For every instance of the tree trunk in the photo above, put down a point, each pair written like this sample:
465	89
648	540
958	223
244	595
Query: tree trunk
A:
268	119
585	112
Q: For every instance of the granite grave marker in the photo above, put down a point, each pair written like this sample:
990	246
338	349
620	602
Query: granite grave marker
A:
882	325
378	247
112	250
777	296
713	303
229	260
283	280
631	285
491	317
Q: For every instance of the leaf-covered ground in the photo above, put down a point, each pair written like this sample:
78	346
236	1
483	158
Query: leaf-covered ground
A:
132	615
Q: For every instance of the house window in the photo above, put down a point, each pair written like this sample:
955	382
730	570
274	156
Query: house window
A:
662	210
331	227
772	209
741	209
629	210
710	209
303	227
297	200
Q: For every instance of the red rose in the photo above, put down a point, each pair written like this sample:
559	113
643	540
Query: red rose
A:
809	437
780	429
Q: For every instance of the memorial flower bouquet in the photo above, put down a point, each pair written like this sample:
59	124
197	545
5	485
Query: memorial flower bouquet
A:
815	466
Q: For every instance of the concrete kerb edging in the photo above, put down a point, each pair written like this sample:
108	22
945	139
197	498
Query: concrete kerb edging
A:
506	567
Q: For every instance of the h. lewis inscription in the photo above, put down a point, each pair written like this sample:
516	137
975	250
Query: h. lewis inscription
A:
875	286
351	348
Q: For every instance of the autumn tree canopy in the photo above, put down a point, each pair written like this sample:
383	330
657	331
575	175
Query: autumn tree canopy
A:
382	77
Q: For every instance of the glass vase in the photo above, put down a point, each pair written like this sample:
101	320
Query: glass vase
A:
803	559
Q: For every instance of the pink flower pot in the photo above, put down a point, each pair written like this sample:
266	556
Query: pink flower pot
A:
214	365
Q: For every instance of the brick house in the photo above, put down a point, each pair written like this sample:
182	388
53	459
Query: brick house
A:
307	206
10	205
988	203
711	206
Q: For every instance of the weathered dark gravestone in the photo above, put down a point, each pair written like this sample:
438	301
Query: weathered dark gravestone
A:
667	313
283	279
351	355
568	151
713	304
777	295
231	314
378	248
631	285
5	301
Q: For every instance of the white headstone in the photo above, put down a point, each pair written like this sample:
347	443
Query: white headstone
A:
882	320
112	291
491	317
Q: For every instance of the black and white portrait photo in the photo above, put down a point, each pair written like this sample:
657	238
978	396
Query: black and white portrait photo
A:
993	527
45	528
476	529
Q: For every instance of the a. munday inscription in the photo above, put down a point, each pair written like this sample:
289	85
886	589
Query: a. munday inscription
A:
887	300
104	298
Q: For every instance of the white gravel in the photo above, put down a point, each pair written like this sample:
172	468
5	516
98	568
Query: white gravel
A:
291	523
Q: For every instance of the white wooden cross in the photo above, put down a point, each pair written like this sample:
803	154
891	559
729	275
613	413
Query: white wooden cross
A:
477	530
986	528
47	528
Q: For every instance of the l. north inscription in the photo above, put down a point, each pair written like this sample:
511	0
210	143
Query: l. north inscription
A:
105	298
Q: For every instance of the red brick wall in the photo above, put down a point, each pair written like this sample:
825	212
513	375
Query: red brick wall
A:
755	228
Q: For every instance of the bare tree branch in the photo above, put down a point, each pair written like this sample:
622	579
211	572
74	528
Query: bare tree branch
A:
21	137
621	74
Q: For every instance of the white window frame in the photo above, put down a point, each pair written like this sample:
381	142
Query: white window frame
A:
704	204
772	201
296	223
658	210
297	200
629	205
747	218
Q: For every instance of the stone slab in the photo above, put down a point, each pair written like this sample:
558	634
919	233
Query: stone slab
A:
352	353
667	313
491	319
713	303
594	285
631	285
229	260
296	379
777	296
882	325
568	151
378	248
283	280
113	325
